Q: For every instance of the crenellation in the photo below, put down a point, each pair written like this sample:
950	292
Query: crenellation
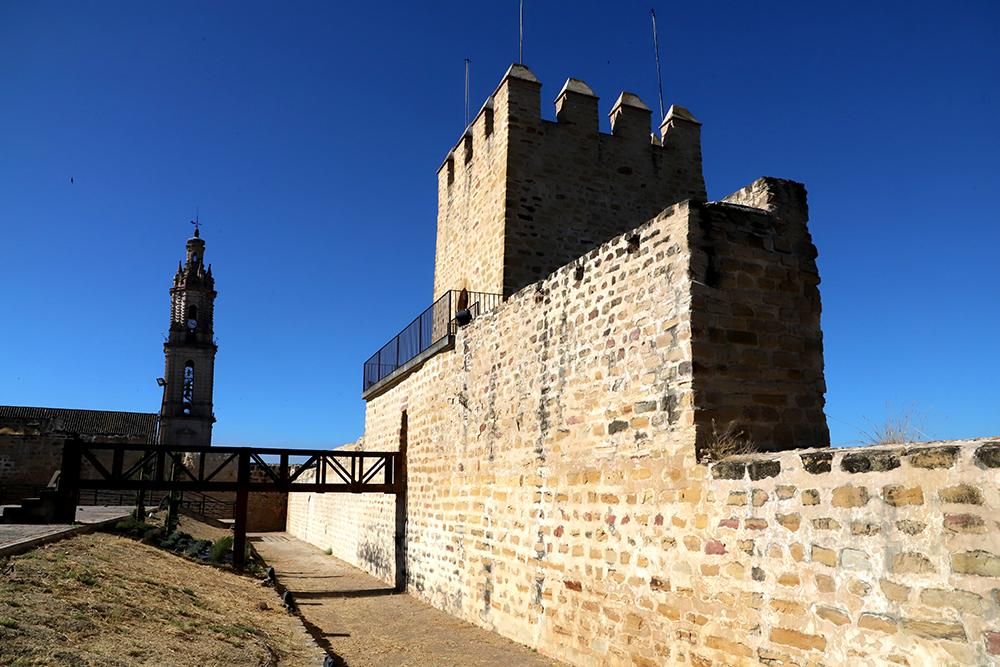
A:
630	118
596	185
576	104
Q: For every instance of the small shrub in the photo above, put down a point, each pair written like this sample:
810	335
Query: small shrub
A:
198	548
7	622
730	441
132	527
86	578
220	548
329	551
899	429
152	535
176	541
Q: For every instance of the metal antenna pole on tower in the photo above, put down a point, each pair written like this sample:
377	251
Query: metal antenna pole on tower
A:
467	63
520	33
656	51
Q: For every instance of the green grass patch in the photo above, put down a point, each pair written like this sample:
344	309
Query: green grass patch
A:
221	547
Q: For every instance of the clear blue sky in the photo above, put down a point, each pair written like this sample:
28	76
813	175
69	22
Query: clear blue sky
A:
308	135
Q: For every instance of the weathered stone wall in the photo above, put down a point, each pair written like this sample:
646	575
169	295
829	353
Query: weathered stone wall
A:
570	187
756	333
469	246
357	528
555	494
520	196
28	459
30	455
846	556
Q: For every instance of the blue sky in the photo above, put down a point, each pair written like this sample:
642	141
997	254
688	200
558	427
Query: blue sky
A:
308	136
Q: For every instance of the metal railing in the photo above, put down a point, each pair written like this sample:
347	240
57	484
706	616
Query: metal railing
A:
442	319
197	503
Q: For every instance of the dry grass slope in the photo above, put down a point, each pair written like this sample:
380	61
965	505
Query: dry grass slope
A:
108	601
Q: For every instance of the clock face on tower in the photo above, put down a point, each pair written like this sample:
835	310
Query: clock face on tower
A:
192	324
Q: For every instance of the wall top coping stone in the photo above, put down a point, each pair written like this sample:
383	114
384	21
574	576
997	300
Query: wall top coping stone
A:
576	86
627	99
677	112
980	452
519	71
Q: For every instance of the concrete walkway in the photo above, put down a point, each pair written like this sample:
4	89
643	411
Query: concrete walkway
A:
361	620
18	537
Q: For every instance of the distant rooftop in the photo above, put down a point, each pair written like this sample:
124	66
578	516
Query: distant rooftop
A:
86	422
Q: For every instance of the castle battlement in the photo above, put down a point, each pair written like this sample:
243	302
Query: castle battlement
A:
576	105
519	195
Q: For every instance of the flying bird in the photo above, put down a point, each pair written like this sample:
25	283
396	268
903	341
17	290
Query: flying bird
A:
71	180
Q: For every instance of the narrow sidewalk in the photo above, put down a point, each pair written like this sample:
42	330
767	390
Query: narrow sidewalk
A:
18	537
360	619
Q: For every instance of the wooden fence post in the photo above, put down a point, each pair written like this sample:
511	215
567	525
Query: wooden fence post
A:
242	497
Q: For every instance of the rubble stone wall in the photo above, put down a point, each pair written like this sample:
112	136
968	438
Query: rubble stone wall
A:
27	462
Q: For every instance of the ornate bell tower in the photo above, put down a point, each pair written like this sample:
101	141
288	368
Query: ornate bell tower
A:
186	414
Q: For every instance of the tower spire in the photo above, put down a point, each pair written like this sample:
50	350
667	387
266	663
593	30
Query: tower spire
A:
186	417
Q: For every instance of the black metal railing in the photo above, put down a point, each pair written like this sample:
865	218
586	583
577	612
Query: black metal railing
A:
197	503
442	319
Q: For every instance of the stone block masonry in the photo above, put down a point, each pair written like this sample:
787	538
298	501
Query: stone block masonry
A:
887	556
520	196
560	484
27	463
555	493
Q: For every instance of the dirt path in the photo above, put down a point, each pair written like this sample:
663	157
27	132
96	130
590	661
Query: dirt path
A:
361	620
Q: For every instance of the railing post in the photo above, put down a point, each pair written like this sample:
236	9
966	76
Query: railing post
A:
242	497
158	474
69	482
400	489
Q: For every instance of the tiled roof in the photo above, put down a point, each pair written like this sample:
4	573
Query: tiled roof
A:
87	422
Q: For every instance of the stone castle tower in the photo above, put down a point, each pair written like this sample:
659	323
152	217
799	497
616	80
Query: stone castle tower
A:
520	196
186	414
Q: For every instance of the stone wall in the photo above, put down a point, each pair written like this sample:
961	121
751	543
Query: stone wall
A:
849	556
28	459
557	492
756	333
30	455
520	196
343	523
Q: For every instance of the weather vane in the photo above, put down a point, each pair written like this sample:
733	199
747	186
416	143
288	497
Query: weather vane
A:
197	224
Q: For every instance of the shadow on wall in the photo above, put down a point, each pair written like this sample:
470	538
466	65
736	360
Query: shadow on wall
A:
376	559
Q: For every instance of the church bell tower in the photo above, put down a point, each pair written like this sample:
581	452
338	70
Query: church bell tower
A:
186	416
